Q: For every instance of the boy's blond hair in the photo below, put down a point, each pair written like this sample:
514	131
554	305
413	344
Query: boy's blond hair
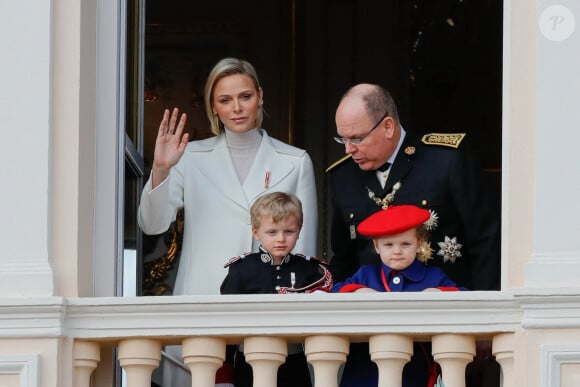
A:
278	205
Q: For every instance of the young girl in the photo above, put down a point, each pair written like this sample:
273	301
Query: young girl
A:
400	238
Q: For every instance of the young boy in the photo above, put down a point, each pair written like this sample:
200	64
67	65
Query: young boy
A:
276	222
400	238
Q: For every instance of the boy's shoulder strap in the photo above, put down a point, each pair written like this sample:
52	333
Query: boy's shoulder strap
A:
236	259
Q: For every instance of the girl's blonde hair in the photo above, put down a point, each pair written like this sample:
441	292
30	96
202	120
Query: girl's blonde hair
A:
424	252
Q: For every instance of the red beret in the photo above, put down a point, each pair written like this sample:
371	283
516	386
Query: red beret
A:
393	220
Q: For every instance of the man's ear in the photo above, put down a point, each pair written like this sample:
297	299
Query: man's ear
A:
389	125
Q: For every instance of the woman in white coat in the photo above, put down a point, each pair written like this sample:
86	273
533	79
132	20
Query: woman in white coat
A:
216	180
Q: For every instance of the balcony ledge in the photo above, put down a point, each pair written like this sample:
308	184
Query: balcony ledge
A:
241	315
292	315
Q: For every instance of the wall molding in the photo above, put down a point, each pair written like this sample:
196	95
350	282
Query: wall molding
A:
549	308
553	356
27	367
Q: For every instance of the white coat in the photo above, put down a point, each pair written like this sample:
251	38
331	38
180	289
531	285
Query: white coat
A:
217	207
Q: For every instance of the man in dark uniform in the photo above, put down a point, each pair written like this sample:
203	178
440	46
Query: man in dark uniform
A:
435	172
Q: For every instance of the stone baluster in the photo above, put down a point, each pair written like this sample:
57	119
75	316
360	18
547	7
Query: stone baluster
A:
453	352
326	354
203	356
86	355
139	357
503	349
390	353
265	355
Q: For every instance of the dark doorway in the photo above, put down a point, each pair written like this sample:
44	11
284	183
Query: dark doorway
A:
441	60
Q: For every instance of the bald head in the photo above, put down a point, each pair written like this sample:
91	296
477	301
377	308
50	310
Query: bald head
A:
375	100
368	112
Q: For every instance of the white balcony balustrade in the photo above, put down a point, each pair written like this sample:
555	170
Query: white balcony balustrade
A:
265	324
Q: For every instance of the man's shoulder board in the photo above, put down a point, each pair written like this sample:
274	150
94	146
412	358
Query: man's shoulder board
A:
452	140
236	259
338	162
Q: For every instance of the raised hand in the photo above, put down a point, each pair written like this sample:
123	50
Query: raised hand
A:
169	146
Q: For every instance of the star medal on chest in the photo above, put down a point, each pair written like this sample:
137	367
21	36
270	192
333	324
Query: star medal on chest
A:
388	199
449	249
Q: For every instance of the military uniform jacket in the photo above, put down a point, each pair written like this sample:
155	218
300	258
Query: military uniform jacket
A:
255	273
443	179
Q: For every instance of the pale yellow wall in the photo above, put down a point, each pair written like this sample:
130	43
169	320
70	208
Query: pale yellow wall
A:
9	380
570	375
83	195
519	141
65	128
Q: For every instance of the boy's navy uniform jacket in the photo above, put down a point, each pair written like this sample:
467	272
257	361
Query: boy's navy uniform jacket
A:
415	278
440	178
255	273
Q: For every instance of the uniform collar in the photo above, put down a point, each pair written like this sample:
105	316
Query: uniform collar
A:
266	257
414	273
403	162
396	152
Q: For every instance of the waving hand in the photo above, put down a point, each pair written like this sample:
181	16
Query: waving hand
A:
169	146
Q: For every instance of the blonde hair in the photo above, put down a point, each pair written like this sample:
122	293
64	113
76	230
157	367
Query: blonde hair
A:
278	205
424	252
224	68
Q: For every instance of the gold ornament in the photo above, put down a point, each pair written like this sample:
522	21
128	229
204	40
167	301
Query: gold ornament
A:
431	223
424	252
388	199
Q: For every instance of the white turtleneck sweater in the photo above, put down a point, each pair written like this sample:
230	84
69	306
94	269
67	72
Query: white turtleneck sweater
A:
243	148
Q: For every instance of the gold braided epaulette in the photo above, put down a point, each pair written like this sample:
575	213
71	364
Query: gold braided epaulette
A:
338	162
452	140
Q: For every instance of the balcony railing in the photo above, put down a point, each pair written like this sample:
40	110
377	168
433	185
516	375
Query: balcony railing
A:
325	323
